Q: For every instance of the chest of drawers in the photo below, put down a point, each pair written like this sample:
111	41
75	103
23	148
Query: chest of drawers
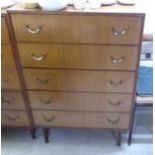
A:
14	110
79	68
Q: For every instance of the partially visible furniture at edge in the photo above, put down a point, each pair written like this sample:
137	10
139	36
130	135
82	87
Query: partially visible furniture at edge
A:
13	103
144	97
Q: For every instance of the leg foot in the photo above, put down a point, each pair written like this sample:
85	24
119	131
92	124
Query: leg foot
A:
46	135
131	127
33	133
130	137
119	138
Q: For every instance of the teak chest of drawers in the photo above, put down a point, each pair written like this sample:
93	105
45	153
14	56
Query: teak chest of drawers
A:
15	110
79	68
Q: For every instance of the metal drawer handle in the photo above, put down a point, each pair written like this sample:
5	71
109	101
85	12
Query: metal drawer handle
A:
113	121
113	83
115	104
38	58
5	101
117	61
13	119
33	31
119	33
45	101
49	119
42	81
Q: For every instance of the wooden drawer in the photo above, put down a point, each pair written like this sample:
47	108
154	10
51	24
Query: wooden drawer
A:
12	100
75	56
79	80
76	28
10	80
81	119
15	118
80	101
7	58
4	31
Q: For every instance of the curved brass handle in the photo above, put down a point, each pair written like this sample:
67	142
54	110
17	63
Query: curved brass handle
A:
13	119
113	121
45	101
33	31
38	58
5	101
119	33
49	119
42	81
117	61
115	104
113	83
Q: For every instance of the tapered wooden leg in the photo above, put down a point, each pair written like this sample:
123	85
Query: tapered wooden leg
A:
131	127
119	138
130	137
46	135
33	133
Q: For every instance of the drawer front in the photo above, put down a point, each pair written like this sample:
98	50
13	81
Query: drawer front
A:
10	80
14	118
7	58
77	28
12	100
4	31
79	80
75	56
80	101
80	119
